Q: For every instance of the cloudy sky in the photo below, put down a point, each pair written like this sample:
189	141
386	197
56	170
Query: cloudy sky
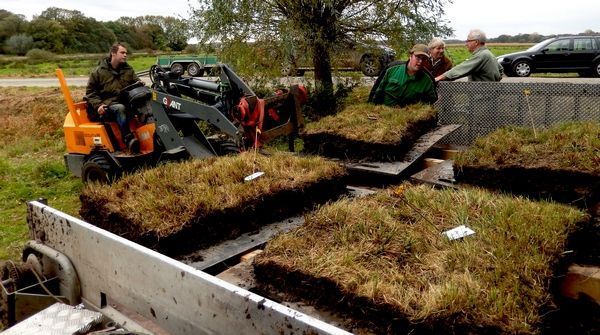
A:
494	17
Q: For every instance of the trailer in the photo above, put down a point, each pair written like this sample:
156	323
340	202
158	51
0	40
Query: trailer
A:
194	65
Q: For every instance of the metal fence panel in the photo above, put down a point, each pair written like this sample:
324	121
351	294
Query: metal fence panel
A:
482	107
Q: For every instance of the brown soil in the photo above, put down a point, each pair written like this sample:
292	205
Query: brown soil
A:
210	228
361	312
576	188
339	146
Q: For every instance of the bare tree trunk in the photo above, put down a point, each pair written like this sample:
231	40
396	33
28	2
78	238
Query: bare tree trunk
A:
323	78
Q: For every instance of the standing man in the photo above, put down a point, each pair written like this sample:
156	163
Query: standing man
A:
481	67
408	83
440	63
104	86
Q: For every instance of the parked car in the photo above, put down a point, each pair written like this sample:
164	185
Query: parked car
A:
369	58
579	54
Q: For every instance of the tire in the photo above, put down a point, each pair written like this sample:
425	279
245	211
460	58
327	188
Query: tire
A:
522	68
98	169
370	66
596	69
225	147
177	67
194	70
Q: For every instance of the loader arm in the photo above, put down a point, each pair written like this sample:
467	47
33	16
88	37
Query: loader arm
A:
258	120
176	124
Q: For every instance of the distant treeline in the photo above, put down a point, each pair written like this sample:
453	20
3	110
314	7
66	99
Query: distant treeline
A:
63	31
525	38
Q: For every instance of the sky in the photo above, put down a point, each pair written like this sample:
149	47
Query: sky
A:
495	18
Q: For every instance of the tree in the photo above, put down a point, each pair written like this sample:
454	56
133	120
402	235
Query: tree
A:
124	33
176	32
158	32
48	35
320	24
85	34
10	25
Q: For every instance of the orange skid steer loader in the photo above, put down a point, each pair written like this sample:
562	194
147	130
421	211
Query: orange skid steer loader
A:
168	122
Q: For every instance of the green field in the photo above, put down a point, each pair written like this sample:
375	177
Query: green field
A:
458	52
83	64
72	66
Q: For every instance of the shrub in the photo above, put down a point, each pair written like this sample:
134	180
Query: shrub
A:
39	54
18	44
191	49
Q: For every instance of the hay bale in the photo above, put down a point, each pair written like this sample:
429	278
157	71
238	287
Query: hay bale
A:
364	131
562	162
180	207
383	258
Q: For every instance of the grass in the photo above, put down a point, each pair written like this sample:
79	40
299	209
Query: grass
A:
370	123
458	53
571	146
386	252
165	200
71	67
21	67
31	164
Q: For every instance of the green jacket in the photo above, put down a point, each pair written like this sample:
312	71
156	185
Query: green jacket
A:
482	66
398	88
106	83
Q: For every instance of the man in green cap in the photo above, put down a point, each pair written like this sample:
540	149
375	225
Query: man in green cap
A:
408	83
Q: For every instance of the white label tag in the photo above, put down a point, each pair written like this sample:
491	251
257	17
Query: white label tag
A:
97	140
458	232
253	176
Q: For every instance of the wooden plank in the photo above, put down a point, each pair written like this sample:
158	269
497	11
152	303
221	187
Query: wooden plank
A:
421	146
441	174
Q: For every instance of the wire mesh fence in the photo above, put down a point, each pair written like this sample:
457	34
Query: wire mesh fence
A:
482	107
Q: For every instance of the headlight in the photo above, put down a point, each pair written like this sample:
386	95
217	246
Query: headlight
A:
500	59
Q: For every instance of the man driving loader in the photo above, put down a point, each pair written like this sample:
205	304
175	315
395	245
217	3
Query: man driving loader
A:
104	87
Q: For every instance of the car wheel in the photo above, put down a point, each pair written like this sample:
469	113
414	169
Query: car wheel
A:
596	69
177	68
522	68
370	66
288	69
193	69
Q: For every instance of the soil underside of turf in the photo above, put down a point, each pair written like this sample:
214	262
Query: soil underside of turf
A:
359	312
207	229
337	145
571	187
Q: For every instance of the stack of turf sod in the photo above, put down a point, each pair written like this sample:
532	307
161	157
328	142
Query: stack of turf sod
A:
562	162
363	131
384	260
180	207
